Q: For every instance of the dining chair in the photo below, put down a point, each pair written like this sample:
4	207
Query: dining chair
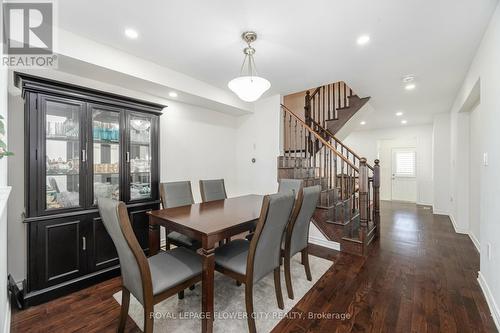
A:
285	185
297	232
149	280
249	261
290	184
212	190
176	194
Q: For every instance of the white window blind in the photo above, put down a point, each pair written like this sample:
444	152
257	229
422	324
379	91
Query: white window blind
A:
405	163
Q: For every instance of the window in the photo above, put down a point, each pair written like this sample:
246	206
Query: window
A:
405	163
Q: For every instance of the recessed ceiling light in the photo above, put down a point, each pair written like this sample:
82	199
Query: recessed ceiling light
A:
173	94
362	40
410	86
403	122
363	123
399	114
131	33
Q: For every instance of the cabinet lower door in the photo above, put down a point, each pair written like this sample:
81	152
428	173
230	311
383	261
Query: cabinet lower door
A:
103	252
60	246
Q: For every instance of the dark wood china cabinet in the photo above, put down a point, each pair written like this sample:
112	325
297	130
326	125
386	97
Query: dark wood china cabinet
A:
82	144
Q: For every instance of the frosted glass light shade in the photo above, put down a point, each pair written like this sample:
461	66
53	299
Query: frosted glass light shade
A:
249	88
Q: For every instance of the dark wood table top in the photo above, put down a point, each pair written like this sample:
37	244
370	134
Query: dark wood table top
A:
210	218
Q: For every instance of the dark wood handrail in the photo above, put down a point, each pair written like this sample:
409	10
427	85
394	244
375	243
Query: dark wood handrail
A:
331	135
315	91
327	144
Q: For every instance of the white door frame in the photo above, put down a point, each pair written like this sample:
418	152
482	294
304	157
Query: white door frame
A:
414	197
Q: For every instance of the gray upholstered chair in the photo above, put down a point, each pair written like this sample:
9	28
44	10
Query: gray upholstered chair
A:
290	185
150	280
249	261
285	185
297	232
212	190
176	194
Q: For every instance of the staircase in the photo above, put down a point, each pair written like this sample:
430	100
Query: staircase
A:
332	105
348	211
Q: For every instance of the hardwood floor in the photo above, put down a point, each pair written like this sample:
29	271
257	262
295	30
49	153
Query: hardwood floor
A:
419	277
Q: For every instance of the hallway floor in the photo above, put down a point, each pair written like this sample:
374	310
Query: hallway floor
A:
419	277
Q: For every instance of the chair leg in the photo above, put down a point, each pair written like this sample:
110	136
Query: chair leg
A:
167	242
124	310
148	318
277	288
180	294
305	261
249	307
288	277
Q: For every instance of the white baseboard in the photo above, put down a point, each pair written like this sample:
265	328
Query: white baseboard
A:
495	312
439	212
421	203
324	243
6	326
475	241
457	229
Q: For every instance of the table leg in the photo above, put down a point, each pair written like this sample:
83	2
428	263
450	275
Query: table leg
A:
207	303
154	237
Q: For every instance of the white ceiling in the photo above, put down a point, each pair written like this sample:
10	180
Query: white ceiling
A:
303	44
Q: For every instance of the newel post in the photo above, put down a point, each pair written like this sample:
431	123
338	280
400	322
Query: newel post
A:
363	203
376	196
307	108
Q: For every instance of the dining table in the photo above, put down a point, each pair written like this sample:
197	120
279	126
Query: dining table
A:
208	223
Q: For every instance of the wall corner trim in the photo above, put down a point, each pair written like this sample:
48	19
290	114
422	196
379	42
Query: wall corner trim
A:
495	311
325	243
475	241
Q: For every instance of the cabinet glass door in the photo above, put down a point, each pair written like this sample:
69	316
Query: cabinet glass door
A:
105	153
139	157
62	150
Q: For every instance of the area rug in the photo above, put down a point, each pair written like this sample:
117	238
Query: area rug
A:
174	315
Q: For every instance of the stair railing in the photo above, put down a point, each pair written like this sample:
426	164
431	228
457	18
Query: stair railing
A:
326	101
319	162
339	145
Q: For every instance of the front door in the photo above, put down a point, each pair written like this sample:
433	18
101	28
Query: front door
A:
404	175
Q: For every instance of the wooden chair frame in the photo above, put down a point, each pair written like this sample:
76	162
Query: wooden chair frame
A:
147	285
247	279
288	243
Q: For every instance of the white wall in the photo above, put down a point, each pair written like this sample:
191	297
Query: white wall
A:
258	137
475	165
374	144
197	143
441	163
16	229
486	68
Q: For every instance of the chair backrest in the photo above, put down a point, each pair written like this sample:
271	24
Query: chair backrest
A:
290	185
212	190
265	246
297	233
176	194
136	276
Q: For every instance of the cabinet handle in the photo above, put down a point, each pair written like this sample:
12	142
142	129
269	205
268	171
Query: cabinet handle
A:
127	157
84	155
84	243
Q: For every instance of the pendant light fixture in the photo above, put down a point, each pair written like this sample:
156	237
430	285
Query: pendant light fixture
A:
248	86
